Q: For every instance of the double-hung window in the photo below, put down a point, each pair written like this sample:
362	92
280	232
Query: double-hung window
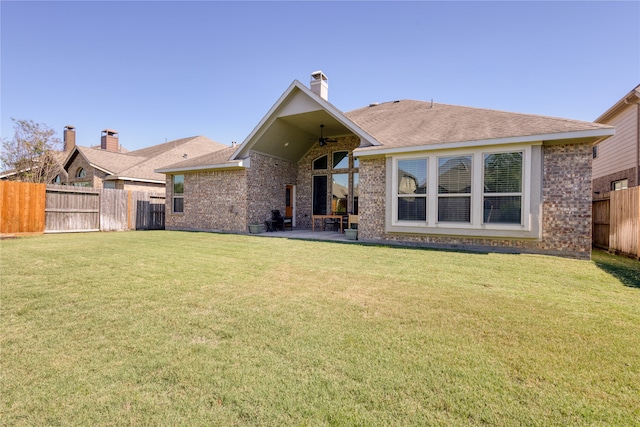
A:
454	189
178	194
412	190
502	196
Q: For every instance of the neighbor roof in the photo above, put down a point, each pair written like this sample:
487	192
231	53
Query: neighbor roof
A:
409	123
141	164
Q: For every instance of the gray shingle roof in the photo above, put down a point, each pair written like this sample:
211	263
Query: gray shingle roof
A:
409	123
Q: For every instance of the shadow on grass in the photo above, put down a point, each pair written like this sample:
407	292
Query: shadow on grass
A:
626	270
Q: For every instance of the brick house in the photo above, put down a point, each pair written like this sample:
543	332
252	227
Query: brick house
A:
616	161
111	166
416	173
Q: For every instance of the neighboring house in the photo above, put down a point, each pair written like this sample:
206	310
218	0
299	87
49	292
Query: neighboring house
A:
616	161
416	173
109	166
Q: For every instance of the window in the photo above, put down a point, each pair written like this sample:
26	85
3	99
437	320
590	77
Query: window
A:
109	184
502	199
57	180
341	160
412	190
621	184
340	193
178	193
81	173
486	192
320	163
454	189
595	151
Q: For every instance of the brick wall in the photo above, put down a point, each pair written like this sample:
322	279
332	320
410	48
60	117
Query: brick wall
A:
141	186
213	200
304	202
267	179
93	176
566	208
603	183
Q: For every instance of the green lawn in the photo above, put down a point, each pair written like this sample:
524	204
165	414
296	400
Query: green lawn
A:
174	328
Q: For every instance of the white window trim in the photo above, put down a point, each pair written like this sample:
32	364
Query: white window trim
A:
528	228
175	195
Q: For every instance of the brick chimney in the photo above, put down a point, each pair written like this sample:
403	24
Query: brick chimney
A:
109	140
69	138
319	85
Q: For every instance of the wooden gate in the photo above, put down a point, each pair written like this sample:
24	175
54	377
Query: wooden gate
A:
600	215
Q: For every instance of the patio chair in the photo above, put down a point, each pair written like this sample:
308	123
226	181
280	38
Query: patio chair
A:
353	221
277	220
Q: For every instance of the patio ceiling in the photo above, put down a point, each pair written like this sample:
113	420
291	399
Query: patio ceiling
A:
291	137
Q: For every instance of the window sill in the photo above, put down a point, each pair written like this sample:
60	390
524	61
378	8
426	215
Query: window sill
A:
452	229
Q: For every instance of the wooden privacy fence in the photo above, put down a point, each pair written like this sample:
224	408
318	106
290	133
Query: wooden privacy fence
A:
616	222
36	208
21	207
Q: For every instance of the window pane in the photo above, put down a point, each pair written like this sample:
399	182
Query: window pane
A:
412	208
454	175
178	204
503	173
412	176
320	163
340	192
456	209
503	209
178	184
341	160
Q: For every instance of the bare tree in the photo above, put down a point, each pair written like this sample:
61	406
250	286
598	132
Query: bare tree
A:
31	155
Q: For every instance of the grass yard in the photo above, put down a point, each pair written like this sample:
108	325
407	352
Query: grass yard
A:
176	328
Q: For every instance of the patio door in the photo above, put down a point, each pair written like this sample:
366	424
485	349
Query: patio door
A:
289	206
320	195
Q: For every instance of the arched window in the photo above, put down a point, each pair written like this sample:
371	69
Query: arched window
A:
57	179
81	173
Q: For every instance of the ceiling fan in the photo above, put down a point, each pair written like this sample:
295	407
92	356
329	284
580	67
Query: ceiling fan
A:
322	140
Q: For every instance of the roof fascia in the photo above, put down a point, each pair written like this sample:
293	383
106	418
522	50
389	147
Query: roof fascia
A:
71	153
596	134
328	107
633	97
240	164
128	178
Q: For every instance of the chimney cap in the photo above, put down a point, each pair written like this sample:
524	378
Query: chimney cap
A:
110	131
70	127
319	75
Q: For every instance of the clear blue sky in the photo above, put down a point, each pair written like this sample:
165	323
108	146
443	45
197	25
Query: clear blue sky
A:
159	70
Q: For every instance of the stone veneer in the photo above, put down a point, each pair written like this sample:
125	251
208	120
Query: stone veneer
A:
566	208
